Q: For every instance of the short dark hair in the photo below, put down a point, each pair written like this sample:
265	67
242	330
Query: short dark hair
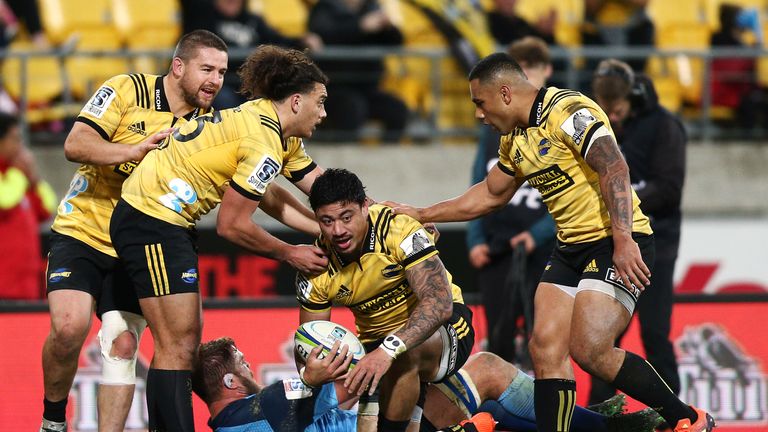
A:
7	122
530	50
613	80
495	64
190	42
215	359
336	185
275	73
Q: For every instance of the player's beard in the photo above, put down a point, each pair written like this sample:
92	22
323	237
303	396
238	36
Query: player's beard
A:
250	384
191	97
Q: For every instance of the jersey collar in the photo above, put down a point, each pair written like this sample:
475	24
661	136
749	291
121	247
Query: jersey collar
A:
534	118
160	101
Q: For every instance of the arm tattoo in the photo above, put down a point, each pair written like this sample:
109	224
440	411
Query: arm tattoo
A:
605	158
429	281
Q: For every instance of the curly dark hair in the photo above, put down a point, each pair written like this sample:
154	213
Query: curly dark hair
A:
336	185
275	73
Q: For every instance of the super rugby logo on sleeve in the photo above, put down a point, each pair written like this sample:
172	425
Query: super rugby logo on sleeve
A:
261	176
100	101
415	243
577	124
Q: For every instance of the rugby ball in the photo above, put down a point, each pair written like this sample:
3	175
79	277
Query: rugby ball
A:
326	333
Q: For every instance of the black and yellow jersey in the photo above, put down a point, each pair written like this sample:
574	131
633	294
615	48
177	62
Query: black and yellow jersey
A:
187	175
126	109
375	287
550	154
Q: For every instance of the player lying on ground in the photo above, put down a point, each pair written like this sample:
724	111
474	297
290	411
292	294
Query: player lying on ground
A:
224	381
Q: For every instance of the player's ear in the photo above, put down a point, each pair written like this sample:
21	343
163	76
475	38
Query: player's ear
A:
296	102
177	67
506	94
229	380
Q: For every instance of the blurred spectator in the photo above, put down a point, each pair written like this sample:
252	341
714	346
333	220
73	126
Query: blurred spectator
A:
354	96
506	26
507	297
13	14
620	23
25	202
653	141
239	28
733	80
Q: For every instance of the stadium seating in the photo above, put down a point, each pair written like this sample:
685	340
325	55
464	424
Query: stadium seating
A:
287	16
139	30
89	24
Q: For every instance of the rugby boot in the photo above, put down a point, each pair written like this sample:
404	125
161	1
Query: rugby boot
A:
640	421
480	422
705	423
49	426
611	406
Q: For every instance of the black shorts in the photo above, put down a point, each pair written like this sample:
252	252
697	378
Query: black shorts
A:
459	337
75	265
160	258
572	263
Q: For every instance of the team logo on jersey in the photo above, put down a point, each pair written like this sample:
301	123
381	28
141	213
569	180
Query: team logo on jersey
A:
295	389
303	286
59	274
189	276
577	124
718	376
392	271
139	128
415	243
550	181
126	168
100	101
544	146
385	300
343	292
266	171
518	159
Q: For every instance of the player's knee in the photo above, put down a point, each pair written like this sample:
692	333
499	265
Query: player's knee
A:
587	356
119	339
125	345
69	335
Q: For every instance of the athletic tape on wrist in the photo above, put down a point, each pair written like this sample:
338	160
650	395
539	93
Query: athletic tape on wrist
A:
301	377
393	346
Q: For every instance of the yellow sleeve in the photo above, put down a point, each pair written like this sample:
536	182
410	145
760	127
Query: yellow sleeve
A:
47	196
297	162
312	293
409	241
107	106
506	162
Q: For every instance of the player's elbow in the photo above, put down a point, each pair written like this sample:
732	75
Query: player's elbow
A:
72	150
226	230
445	310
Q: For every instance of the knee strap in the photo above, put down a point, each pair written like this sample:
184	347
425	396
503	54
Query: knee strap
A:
117	370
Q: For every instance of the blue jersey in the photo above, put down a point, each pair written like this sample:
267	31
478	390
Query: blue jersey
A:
286	406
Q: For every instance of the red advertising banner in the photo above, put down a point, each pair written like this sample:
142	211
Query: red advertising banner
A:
722	351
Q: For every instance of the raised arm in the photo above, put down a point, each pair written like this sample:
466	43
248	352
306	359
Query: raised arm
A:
283	206
490	194
235	224
605	158
85	145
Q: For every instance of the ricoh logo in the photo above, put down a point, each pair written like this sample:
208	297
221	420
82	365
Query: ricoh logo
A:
85	391
717	376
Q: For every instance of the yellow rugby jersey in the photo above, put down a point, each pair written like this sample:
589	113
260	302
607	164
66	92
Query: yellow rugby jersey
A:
126	109
374	288
187	175
550	153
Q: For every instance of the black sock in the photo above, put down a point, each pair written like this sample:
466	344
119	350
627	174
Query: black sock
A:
554	401
169	400
387	425
55	411
638	379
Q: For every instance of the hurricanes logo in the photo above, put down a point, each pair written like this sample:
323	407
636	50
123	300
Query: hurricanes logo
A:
59	274
189	276
717	376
